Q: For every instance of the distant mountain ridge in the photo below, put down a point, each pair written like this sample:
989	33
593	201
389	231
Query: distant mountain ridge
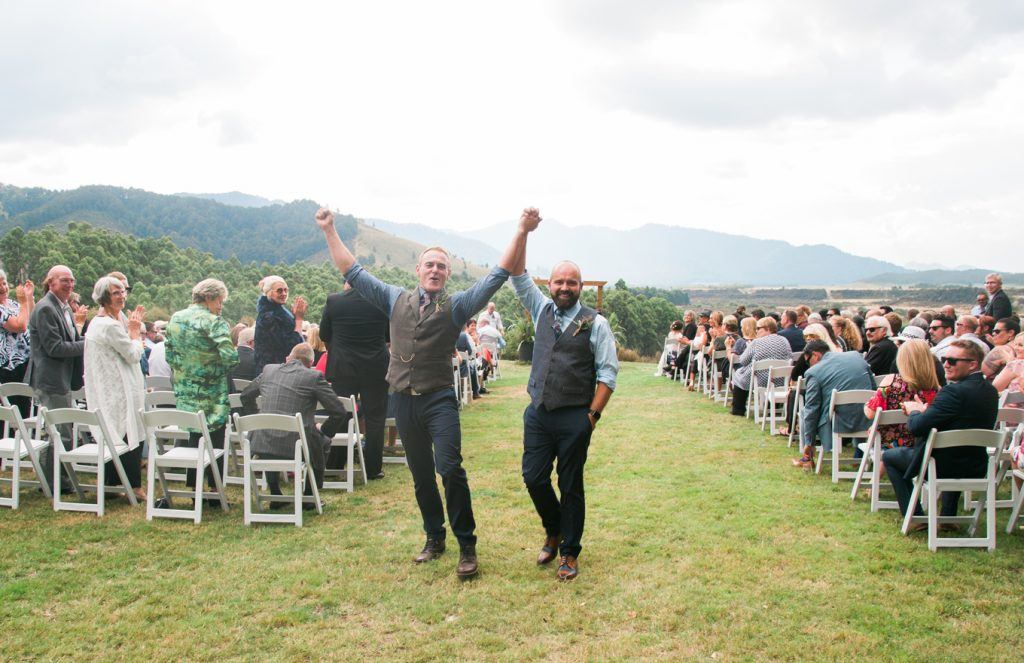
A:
932	277
236	198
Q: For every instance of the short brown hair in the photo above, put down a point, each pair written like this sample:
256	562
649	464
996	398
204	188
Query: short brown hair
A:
971	349
769	324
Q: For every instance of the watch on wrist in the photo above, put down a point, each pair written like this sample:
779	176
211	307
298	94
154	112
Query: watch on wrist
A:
595	414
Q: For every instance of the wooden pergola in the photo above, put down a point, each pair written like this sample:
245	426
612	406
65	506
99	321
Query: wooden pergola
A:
543	283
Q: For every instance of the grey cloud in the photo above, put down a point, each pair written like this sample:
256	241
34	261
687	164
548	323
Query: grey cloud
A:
233	128
853	60
83	72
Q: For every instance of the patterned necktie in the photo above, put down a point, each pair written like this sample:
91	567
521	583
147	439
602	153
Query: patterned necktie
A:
558	327
425	300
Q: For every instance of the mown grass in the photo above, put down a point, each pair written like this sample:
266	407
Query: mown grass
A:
701	542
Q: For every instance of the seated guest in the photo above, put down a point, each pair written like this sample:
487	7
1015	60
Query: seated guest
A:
315	342
791	332
996	360
467	367
492	341
844	329
881	353
948	311
914	333
1004	331
916	379
895	322
1011	377
966	329
802	312
816	331
246	368
841	371
941	333
912	313
730	327
286	389
748	332
985	325
689	333
979	308
114	383
767	345
967	401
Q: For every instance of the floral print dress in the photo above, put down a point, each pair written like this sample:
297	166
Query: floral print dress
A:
892	398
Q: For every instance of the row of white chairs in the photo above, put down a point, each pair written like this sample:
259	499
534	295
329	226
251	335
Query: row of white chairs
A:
768	405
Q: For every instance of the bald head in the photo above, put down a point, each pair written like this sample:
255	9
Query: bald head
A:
60	281
565	284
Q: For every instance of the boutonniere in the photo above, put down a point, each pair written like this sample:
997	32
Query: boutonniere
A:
583	324
442	299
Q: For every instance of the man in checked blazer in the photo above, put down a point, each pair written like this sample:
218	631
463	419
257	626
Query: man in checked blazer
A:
286	389
55	363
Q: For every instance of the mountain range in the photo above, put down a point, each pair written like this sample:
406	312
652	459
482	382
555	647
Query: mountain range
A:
252	228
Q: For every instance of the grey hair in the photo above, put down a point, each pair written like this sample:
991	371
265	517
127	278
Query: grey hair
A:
246	336
3	275
267	283
303	352
209	290
101	291
995	277
879	321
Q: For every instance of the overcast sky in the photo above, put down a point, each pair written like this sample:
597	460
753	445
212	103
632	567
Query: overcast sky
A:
889	129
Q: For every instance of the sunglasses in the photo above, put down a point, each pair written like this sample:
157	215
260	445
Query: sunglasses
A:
953	361
999	331
128	289
871	329
934	327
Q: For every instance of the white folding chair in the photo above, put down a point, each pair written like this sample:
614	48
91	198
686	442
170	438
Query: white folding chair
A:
1011	398
928	478
841	398
157	422
1016	475
233	460
465	386
393	458
154	400
495	364
729	382
90	458
11	390
240	384
719	386
457	381
872	459
758	392
798	403
352	440
158	383
776	397
300	464
1007	418
16	446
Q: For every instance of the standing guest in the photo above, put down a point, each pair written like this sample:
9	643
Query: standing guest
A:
157	361
278	330
492	317
830	371
979	308
571	380
114	384
14	341
767	345
425	323
881	354
356	334
941	332
967	401
1004	332
467	367
55	363
200	352
790	331
999	305
246	368
916	379
315	342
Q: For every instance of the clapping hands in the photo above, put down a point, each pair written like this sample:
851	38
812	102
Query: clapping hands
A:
300	307
135	320
25	292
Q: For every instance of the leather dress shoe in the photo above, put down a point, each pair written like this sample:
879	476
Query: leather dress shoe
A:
548	551
162	503
431	551
307	506
467	567
568	568
376	477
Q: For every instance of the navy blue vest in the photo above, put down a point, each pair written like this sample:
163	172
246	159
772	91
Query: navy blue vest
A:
563	372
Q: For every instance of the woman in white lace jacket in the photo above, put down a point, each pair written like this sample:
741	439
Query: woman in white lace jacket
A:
113	375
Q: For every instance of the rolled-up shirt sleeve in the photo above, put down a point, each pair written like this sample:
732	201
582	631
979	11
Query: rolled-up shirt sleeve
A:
473	299
530	296
606	359
380	294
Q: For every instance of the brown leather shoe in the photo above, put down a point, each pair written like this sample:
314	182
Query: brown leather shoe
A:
431	551
548	551
467	567
568	569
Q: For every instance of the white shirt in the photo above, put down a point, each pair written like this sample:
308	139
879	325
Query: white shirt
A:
158	360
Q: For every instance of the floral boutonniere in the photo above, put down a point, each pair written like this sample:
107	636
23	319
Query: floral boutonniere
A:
442	299
583	324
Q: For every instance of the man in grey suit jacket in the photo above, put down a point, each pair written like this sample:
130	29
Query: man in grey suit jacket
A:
286	389
55	363
841	371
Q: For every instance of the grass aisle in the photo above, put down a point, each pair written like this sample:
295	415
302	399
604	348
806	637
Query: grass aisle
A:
701	541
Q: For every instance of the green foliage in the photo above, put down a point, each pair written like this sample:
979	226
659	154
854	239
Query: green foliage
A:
275	233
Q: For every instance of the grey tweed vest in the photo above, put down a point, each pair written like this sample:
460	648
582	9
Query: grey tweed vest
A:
421	349
563	372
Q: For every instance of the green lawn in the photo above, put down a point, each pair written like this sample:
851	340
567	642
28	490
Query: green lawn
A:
702	542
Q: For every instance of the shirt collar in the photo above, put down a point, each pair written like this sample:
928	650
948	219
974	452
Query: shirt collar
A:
569	314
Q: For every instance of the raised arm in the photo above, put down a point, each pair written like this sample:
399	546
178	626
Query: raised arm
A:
514	259
340	255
